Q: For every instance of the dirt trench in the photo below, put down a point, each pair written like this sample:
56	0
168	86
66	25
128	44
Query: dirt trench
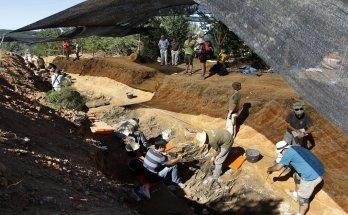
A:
247	186
267	100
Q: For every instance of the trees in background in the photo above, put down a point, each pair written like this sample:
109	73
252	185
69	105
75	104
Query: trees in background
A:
145	45
173	27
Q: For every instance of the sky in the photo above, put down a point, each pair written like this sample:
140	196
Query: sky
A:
15	14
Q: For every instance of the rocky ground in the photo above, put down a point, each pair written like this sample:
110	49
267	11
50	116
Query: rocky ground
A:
45	167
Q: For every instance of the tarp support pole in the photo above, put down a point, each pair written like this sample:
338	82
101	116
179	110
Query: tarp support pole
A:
2	40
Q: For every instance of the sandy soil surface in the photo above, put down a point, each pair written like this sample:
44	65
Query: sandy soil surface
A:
267	101
252	177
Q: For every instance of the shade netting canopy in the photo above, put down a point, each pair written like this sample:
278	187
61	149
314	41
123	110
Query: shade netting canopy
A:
306	41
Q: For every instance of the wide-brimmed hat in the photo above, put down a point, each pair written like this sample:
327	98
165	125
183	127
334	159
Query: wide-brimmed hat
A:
201	137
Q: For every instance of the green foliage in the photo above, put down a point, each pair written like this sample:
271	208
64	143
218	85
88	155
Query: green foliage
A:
173	27
176	27
110	45
13	46
51	48
67	98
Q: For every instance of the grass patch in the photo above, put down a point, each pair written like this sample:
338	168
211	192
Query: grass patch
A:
67	98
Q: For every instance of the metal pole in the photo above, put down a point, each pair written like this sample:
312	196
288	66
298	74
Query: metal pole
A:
2	40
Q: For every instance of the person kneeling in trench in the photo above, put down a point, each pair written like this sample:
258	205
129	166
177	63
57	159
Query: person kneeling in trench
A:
158	162
220	141
309	172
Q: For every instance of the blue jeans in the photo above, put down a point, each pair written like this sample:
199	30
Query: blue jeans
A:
174	173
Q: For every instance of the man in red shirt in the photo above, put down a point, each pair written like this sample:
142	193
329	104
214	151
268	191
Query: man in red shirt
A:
66	48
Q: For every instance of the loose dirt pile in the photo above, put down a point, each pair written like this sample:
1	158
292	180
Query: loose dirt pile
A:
44	167
267	99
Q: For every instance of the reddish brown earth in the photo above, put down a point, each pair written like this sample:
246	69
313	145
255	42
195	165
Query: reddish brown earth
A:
269	95
42	161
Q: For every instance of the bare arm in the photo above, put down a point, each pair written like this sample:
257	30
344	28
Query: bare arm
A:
290	127
276	167
172	162
214	154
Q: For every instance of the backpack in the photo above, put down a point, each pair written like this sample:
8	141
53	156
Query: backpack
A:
207	48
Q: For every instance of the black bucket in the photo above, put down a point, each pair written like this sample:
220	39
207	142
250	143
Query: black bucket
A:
252	155
136	166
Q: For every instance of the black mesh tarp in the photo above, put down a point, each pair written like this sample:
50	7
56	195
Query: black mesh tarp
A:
106	13
292	36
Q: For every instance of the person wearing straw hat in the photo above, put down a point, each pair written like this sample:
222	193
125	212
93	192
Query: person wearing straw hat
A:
220	140
233	108
299	126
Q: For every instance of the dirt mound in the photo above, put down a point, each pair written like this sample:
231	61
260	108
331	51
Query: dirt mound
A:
131	74
48	167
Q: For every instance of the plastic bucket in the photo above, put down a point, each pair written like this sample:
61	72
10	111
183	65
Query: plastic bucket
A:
252	155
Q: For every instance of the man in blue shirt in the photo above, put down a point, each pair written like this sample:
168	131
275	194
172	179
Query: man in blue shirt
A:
309	172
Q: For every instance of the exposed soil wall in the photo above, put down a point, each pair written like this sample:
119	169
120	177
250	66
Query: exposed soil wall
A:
267	100
44	166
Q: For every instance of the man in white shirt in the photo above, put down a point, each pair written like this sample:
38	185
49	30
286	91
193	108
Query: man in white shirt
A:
163	45
56	78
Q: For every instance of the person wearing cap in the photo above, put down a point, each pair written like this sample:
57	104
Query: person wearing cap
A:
299	126
189	45
233	108
280	146
163	45
308	172
220	140
157	161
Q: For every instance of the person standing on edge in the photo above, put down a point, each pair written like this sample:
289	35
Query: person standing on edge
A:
299	127
233	109
77	51
175	52
204	51
189	53
308	175
66	48
163	45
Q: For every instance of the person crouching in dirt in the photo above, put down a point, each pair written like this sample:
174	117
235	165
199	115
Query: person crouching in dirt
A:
221	142
233	109
157	161
299	127
57	77
220	67
130	128
189	52
308	175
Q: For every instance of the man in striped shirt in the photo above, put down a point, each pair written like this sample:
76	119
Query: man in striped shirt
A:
157	162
